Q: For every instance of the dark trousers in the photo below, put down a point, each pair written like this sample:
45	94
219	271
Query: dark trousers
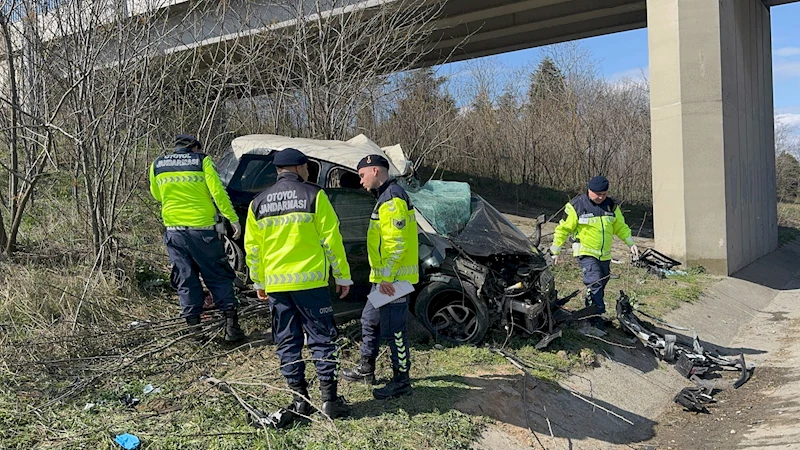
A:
200	252
595	277
308	311
389	322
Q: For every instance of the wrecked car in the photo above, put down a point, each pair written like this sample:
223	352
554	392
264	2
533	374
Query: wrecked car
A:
477	270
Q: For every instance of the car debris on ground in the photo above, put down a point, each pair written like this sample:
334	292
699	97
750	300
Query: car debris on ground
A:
657	263
691	360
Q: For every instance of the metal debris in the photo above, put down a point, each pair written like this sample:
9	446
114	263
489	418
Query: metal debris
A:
693	362
657	263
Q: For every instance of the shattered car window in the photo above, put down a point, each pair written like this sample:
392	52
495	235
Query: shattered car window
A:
339	177
444	204
257	174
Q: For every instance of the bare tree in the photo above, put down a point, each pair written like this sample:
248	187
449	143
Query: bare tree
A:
337	53
419	115
569	125
787	151
27	132
115	79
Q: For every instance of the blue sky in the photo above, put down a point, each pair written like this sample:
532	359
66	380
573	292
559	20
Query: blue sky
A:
625	55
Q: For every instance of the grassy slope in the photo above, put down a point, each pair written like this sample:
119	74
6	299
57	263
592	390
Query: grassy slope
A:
44	291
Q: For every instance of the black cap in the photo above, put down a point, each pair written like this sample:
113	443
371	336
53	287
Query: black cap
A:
289	157
373	161
598	184
187	141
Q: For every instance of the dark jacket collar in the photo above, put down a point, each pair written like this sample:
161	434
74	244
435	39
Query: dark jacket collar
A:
605	205
382	188
290	176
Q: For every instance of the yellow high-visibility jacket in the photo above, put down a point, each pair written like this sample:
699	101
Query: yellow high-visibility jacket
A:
292	238
593	226
392	240
187	185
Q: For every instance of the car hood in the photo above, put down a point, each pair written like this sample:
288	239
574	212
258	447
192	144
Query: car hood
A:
489	233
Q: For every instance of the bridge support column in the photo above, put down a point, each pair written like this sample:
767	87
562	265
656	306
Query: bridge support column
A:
713	149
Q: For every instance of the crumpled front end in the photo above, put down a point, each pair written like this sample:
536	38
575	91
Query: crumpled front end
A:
502	277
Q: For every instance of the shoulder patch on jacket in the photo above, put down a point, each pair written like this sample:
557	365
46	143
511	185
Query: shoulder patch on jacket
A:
399	224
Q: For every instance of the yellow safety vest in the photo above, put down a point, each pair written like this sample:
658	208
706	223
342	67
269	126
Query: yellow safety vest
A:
593	226
187	185
292	239
392	240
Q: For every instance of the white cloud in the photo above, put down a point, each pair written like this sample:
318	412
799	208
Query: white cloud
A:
635	74
464	110
786	69
787	51
789	119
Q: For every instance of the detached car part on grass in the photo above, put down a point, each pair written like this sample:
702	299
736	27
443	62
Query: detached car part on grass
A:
656	263
480	273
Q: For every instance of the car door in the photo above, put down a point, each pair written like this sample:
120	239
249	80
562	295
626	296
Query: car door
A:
243	180
354	208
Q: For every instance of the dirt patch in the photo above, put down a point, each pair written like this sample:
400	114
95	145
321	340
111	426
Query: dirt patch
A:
498	396
506	437
735	413
534	414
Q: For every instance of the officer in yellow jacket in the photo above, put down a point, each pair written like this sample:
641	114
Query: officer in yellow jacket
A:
292	242
393	256
188	187
593	219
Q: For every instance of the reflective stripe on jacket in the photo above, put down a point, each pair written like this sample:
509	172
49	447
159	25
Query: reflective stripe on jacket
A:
392	237
292	238
593	226
188	186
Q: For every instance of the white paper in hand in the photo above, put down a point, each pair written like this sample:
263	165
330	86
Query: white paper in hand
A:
401	288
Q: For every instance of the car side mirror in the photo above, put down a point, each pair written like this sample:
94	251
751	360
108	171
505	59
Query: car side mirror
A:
536	239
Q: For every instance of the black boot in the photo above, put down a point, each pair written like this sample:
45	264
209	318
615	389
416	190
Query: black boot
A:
598	323
299	403
233	333
362	372
193	321
399	386
193	328
333	405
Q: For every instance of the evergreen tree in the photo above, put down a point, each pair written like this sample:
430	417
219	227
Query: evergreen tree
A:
547	82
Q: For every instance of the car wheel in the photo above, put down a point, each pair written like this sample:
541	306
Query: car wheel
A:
451	314
234	254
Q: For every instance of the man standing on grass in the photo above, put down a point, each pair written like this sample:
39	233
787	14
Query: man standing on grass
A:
188	187
292	241
593	219
393	256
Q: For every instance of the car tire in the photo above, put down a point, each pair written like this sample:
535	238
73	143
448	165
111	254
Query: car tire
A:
234	254
451	314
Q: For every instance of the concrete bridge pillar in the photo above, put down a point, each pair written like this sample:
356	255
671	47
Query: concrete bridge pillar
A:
713	149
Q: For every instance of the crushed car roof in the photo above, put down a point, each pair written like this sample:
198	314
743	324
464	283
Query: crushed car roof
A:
345	153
